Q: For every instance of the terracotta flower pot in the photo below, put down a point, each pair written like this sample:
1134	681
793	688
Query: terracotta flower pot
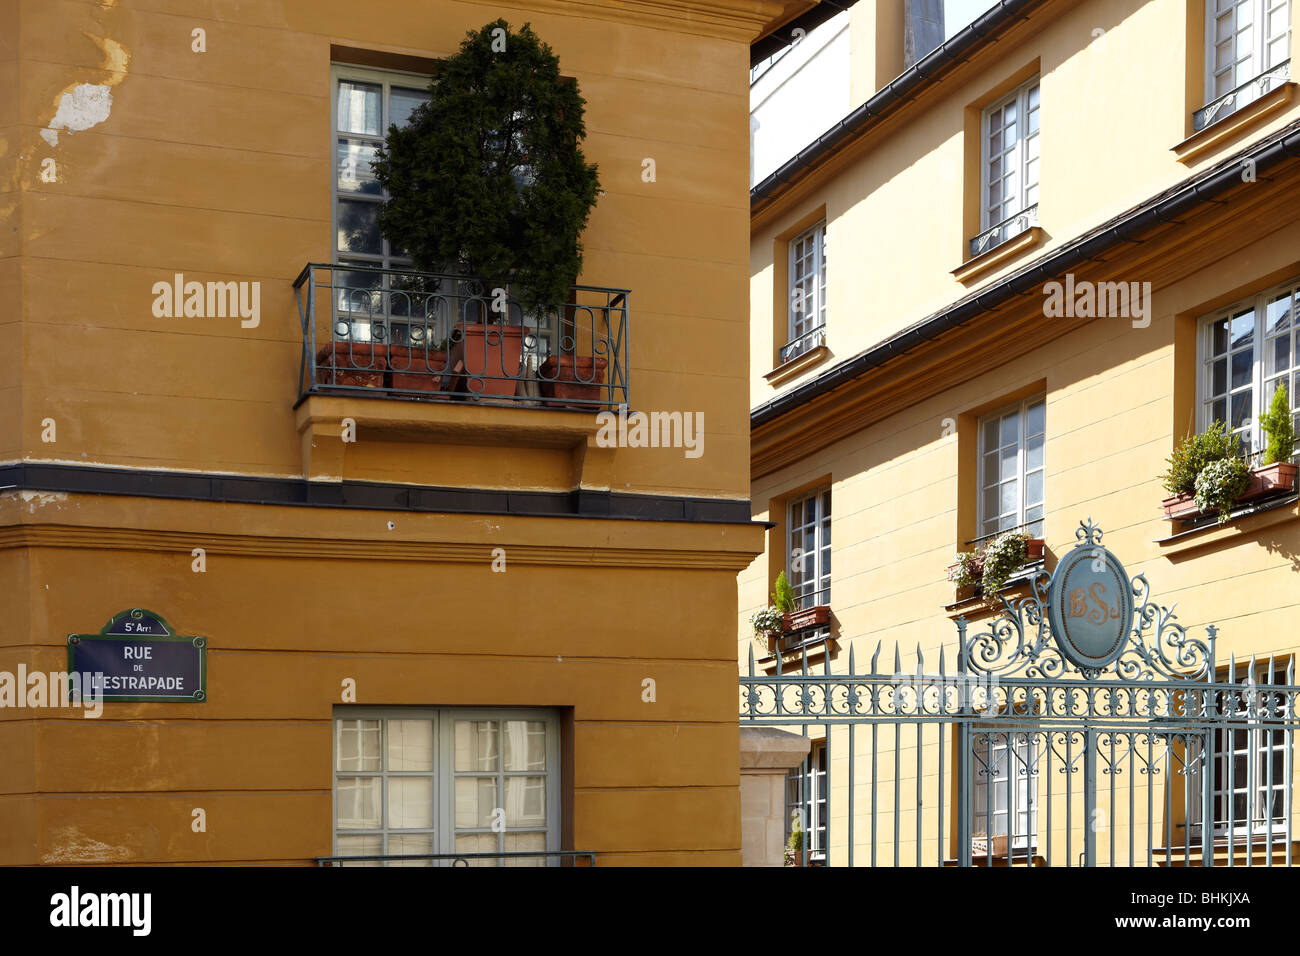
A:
1274	479
488	350
1034	549
414	369
352	363
572	377
1180	506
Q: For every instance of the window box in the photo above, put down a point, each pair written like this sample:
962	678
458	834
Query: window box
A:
1269	481
807	619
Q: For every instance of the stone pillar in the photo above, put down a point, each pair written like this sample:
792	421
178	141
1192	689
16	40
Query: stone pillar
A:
765	755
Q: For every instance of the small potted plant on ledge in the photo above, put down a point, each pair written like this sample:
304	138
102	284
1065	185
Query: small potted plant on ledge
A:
1278	472
416	369
1189	459
986	570
770	623
794	845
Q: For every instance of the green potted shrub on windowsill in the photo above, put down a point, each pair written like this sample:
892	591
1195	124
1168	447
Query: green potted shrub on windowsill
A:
1277	473
1189	459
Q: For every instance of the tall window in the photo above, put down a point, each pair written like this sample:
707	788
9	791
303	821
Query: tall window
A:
809	566
365	103
1010	161
1005	797
1250	781
1246	351
806	801
424	781
1012	443
807	292
1244	39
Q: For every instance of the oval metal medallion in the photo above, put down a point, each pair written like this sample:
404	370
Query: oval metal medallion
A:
1090	606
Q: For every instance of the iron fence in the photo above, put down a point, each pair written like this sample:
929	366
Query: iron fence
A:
1017	756
1242	96
387	332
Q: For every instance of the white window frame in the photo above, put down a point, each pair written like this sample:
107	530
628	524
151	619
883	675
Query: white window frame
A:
1023	471
1005	749
386	258
1251	434
1262	56
811	313
808	797
1262	742
444	775
814	582
1023	152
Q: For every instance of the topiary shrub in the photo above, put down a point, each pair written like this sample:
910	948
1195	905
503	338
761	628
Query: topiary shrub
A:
1279	426
1193	453
487	180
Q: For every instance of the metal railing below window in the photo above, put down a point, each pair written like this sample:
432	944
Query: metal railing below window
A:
804	343
1244	95
375	332
1007	229
571	858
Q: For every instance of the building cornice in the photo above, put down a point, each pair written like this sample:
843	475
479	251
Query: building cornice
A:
740	20
182	544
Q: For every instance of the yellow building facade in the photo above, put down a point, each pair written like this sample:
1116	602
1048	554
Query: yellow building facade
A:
431	626
926	374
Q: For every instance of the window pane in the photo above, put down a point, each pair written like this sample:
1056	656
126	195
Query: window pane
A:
1242	367
1034	487
525	745
525	801
991	435
477	843
1219	337
1036	418
358	229
354	172
410	745
1219	377
1010	462
476	745
410	803
1034	453
359	108
1243	328
1010	500
357	745
361	846
401	102
1010	429
411	844
526	843
357	803
476	798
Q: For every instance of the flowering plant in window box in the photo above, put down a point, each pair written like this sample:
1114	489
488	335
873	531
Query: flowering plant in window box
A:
1208	475
987	569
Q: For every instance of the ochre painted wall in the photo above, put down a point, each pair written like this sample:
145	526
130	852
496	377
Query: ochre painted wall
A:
217	165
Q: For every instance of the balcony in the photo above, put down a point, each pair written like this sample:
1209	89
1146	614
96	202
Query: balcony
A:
1004	231
1242	96
419	336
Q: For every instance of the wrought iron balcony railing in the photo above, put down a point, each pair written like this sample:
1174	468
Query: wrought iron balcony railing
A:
1007	229
804	343
418	335
578	858
1242	96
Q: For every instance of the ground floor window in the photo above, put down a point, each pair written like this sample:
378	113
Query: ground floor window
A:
440	781
806	803
1005	782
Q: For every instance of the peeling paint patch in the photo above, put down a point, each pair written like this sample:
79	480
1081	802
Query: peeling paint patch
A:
39	499
87	105
70	845
116	57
